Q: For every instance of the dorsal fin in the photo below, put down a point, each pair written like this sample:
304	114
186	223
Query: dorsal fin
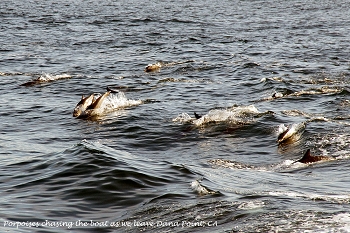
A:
307	153
280	137
83	99
99	101
196	115
307	158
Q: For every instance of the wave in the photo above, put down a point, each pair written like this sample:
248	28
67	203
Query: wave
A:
201	189
81	180
287	165
203	215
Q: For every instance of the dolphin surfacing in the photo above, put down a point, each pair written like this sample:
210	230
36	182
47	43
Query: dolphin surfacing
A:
46	78
308	158
89	106
290	133
95	109
153	67
83	104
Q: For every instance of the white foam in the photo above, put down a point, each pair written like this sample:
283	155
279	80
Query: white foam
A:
196	186
278	79
239	115
336	198
250	205
200	189
318	91
231	164
281	128
117	101
45	77
183	118
343	219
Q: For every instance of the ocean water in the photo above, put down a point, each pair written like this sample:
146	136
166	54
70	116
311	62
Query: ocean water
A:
248	68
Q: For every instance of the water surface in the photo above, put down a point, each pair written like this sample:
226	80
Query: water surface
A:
152	167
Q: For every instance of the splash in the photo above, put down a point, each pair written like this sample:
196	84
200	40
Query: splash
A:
153	67
200	189
283	166
111	103
49	77
233	115
344	220
251	205
158	65
117	101
183	118
318	91
45	78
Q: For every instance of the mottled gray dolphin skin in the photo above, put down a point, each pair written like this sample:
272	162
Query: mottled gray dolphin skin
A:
308	158
83	104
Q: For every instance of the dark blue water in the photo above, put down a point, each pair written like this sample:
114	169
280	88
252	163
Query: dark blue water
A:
151	166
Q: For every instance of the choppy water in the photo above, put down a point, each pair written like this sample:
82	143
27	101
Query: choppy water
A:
151	166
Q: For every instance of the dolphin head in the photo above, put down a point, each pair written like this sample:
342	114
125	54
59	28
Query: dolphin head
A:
83	104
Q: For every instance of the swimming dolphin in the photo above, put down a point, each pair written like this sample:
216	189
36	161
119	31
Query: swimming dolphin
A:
277	95
95	108
31	83
83	104
46	78
153	67
291	133
281	136
308	158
